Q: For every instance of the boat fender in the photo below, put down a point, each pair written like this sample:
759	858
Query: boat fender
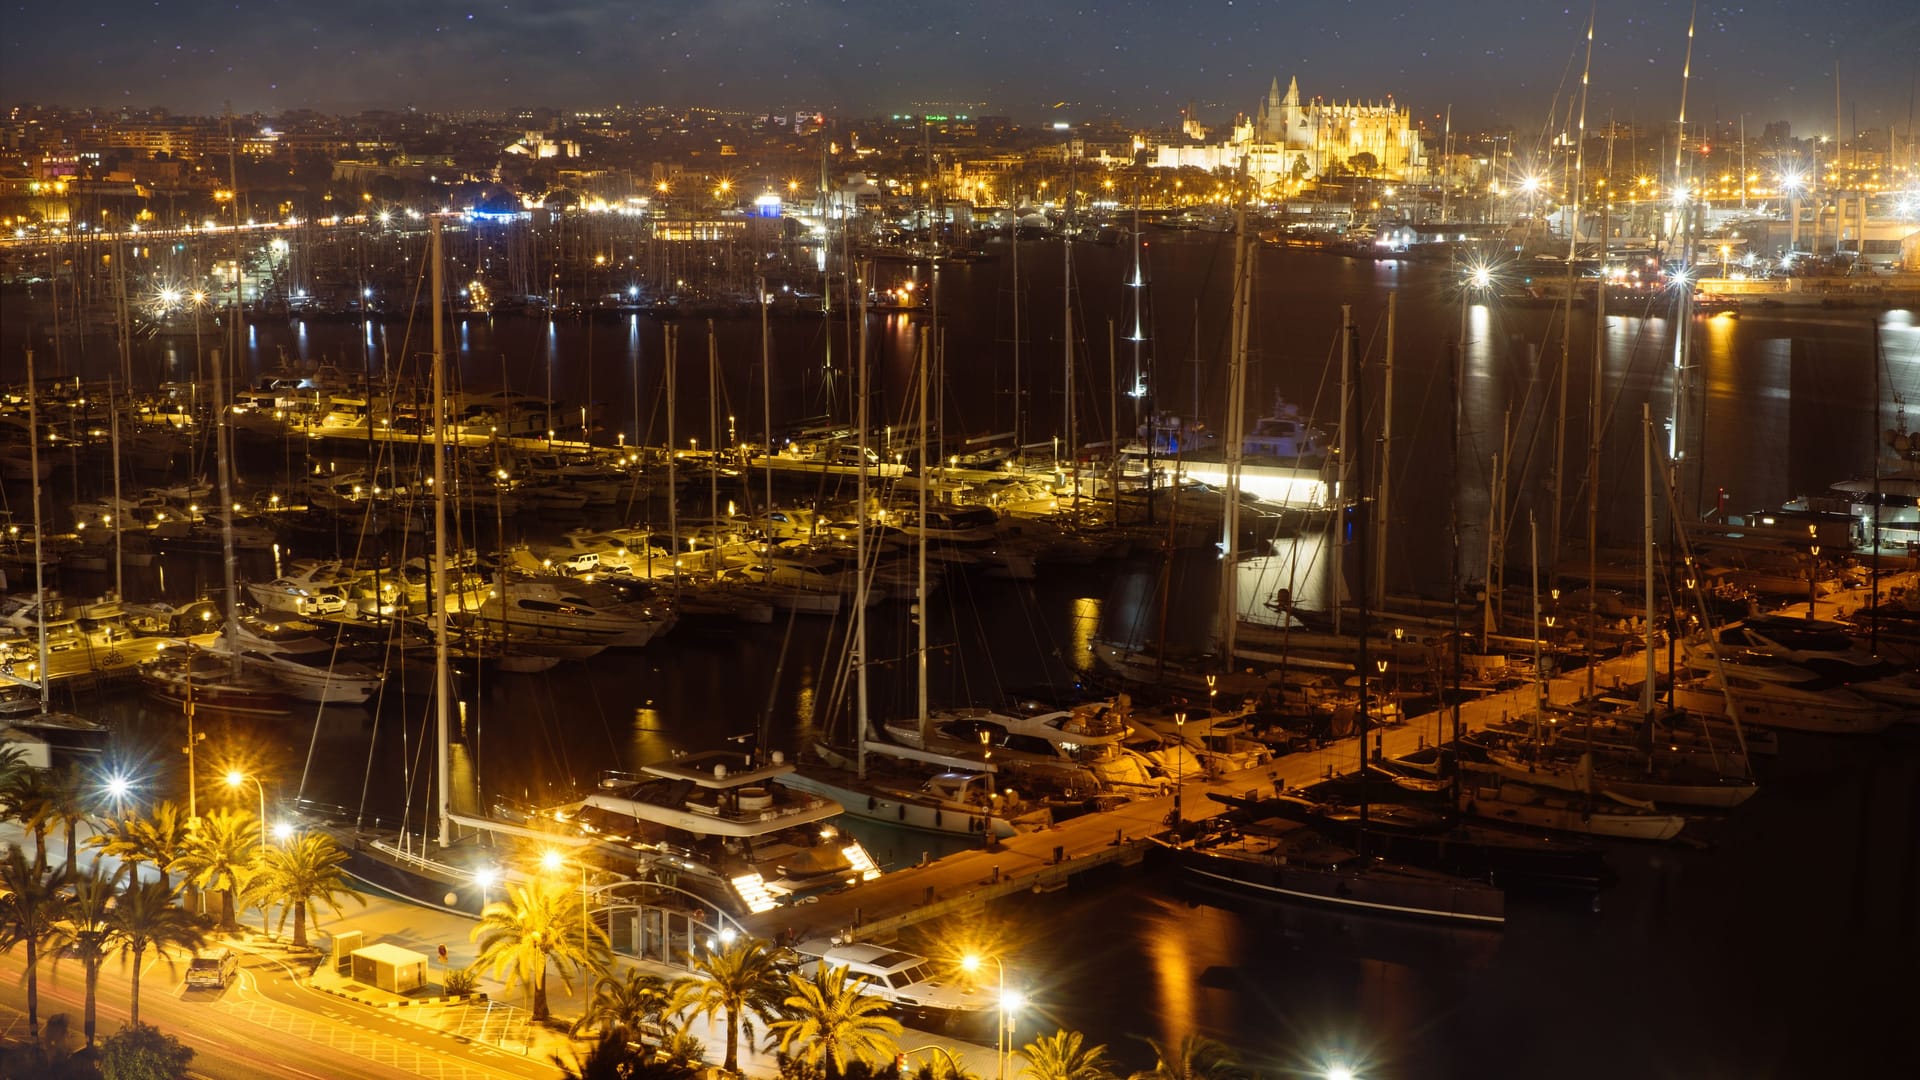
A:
872	803
936	817
903	811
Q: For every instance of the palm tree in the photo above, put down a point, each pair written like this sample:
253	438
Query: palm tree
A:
830	1019
608	1059
1063	1055
28	799
70	801
740	981
162	836
303	871
628	1004
13	759
540	924
30	901
145	917
1195	1057
85	932
119	838
218	855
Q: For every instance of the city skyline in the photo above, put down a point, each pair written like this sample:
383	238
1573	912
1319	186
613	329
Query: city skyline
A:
1510	63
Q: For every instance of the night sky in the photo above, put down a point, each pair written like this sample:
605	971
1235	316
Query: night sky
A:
1493	60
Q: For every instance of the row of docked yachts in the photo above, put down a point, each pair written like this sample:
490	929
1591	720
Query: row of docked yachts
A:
1444	832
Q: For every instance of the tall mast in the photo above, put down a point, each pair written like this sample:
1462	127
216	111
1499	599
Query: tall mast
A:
442	688
39	556
1363	661
1066	341
1342	489
1378	569
221	440
1646	541
860	544
1566	326
113	420
1235	418
766	392
713	424
920	549
1019	391
673	477
1594	433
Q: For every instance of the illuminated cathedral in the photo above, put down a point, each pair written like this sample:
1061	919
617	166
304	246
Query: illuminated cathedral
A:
1290	139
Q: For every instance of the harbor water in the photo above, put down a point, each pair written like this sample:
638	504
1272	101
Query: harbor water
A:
1718	960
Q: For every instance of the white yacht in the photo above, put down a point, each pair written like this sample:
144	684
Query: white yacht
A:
719	824
298	657
570	610
1086	740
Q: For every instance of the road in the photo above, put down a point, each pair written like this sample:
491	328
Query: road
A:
264	1024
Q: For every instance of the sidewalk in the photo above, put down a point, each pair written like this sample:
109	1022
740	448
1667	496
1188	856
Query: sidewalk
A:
495	1016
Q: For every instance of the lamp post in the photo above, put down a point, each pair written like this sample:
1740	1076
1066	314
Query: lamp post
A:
551	861
1179	761
485	877
971	963
1813	567
235	778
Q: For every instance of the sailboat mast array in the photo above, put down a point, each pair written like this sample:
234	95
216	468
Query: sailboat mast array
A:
442	684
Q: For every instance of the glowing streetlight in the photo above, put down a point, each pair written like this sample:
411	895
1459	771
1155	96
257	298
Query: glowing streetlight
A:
235	779
283	832
485	877
971	963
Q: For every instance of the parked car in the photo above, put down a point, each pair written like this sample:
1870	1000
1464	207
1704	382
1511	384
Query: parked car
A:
212	969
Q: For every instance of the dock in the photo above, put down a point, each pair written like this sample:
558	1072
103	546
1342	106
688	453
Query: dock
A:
1049	859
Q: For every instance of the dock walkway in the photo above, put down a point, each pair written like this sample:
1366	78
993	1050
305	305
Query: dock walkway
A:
1045	860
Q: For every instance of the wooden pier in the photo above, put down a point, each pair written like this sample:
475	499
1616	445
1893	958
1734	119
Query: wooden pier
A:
1049	859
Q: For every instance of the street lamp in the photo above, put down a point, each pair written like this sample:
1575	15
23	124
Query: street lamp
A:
551	861
1813	567
235	778
485	877
971	963
1179	761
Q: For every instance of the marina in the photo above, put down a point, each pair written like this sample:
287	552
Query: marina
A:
1390	612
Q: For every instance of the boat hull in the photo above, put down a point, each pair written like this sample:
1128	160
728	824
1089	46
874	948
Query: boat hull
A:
1372	891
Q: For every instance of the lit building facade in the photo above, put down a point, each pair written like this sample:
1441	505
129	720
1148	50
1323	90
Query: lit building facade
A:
1290	139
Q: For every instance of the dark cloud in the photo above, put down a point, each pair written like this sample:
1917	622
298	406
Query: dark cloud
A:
1491	59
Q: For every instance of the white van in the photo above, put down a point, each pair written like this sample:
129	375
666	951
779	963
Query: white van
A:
904	980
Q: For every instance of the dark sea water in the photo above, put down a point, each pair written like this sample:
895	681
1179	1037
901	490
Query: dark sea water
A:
1784	946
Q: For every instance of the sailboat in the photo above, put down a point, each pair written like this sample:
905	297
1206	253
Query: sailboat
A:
198	679
964	797
1263	854
36	731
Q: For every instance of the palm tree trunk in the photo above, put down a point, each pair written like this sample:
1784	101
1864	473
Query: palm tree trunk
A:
540	997
33	987
93	997
133	1007
733	1042
40	844
227	920
72	831
299	924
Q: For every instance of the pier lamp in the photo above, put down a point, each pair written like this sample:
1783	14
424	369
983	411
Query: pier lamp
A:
1340	1070
283	832
1813	567
971	963
235	779
1179	761
485	877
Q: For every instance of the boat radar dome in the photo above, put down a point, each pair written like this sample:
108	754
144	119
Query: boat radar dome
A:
779	757
719	772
